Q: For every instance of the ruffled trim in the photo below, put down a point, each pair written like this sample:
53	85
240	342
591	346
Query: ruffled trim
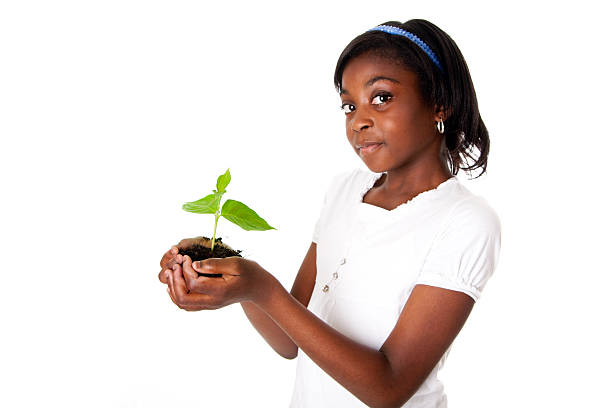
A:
425	195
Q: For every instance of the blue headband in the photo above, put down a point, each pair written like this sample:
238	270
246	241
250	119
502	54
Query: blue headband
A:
398	31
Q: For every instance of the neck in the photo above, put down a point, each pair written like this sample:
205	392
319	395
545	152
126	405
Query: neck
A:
412	179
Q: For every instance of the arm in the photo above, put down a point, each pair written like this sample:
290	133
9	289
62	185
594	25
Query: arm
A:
301	292
380	378
390	376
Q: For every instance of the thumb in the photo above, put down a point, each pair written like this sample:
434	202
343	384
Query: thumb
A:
205	265
216	265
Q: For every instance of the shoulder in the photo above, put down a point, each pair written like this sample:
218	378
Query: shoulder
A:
474	212
468	225
469	212
465	252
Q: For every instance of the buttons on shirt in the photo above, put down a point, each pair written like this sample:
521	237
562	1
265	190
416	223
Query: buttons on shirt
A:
334	276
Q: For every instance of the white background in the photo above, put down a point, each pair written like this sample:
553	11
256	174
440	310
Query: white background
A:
114	113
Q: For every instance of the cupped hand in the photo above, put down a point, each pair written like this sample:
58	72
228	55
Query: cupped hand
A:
172	256
241	280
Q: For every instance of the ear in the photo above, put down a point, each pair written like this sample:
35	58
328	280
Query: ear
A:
441	113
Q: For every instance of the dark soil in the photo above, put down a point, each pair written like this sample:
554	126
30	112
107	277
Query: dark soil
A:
199	252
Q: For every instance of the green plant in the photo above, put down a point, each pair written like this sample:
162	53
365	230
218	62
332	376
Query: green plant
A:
234	211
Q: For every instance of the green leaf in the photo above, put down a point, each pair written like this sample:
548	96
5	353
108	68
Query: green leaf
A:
243	216
223	181
206	205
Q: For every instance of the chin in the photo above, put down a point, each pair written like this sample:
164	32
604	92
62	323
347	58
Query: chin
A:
375	167
377	162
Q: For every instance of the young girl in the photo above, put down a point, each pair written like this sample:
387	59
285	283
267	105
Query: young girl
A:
400	253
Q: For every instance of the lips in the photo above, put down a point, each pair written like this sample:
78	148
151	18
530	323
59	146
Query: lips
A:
368	148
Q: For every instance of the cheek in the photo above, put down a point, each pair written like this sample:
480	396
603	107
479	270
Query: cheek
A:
348	124
408	124
400	124
348	130
424	119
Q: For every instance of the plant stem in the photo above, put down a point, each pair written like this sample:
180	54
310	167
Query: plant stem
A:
212	246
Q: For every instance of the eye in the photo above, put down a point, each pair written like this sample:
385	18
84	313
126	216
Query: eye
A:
347	107
381	98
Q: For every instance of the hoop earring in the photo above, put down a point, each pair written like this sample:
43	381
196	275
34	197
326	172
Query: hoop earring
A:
440	126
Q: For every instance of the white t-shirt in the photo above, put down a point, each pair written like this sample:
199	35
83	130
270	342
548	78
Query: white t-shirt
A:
370	258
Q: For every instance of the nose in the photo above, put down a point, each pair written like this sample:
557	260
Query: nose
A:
361	120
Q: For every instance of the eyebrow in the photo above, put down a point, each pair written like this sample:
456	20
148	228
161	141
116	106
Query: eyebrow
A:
371	82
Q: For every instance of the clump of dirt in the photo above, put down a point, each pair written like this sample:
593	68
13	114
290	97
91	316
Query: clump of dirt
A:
198	252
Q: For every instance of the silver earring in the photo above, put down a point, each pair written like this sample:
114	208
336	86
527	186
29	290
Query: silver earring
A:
440	126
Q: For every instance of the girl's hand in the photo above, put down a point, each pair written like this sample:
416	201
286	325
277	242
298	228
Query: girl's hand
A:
241	280
172	256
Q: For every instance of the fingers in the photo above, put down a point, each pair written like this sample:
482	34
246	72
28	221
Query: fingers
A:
172	296
170	258
179	305
178	295
173	256
177	283
195	282
178	258
168	255
184	298
189	274
171	287
163	276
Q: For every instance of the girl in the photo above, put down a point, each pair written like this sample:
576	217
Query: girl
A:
400	253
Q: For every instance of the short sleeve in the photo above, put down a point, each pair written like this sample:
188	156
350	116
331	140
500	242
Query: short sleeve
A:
464	254
330	195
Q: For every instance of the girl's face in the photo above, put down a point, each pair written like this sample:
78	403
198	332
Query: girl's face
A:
387	122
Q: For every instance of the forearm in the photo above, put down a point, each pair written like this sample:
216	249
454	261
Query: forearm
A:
363	371
269	330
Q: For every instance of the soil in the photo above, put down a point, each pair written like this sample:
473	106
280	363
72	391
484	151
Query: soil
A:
199	252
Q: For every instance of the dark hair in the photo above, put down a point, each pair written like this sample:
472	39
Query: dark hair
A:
452	89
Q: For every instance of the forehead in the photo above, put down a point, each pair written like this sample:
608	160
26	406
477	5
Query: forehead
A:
361	70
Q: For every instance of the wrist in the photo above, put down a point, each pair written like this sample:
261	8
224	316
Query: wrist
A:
271	289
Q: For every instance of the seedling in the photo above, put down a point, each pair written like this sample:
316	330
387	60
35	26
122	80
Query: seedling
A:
234	211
